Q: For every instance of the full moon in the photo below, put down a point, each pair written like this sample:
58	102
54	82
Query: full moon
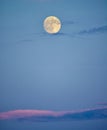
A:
52	25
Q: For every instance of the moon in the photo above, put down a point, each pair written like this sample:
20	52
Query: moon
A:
52	25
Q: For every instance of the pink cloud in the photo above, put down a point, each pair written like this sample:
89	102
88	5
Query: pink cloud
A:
41	115
25	113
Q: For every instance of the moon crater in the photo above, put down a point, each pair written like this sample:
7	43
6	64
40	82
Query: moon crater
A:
52	24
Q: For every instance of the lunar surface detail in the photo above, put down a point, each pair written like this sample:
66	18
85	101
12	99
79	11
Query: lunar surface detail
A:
52	25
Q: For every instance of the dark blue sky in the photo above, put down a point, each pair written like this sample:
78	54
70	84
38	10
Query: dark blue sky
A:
54	72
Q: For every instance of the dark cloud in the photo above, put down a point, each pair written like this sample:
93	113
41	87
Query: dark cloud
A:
47	116
69	116
32	36
61	34
26	40
100	29
102	103
67	22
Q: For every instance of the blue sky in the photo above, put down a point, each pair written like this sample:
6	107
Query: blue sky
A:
59	72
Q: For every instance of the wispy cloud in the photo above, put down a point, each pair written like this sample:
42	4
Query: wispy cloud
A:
60	34
95	30
102	103
43	115
100	29
40	0
69	22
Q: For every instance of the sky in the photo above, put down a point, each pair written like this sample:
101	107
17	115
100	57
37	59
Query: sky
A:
62	72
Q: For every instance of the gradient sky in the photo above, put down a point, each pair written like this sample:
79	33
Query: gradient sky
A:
67	71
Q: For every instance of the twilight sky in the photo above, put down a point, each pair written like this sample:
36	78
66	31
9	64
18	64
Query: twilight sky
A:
62	72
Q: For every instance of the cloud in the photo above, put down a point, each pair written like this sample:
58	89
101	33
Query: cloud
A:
46	116
33	36
100	29
40	0
59	34
67	22
102	103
